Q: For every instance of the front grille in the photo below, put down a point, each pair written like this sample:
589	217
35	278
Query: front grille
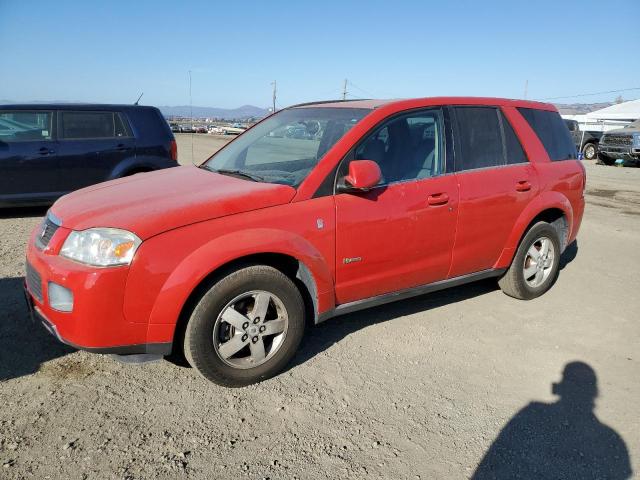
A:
47	229
34	282
622	140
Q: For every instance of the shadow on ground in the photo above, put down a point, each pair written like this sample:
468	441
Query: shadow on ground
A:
323	336
24	345
23	212
559	440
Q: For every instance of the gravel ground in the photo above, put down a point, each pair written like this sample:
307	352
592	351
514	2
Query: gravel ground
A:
417	389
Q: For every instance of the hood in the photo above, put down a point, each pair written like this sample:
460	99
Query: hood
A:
151	203
623	131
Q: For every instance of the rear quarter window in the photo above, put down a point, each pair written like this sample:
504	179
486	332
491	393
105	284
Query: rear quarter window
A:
552	132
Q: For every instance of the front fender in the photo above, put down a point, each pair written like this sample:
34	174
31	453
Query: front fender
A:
209	257
544	201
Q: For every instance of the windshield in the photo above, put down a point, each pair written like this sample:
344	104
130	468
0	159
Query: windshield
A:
287	146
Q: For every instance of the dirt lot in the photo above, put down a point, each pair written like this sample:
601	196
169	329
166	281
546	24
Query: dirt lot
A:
417	389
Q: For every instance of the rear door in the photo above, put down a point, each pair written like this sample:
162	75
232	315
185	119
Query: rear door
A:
496	184
92	144
28	155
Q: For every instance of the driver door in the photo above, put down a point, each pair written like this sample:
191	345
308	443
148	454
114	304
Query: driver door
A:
400	234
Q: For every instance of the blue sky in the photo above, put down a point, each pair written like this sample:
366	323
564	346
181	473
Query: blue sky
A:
111	51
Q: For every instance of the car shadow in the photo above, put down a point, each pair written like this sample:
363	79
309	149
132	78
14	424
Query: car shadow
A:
323	336
563	439
23	212
569	255
24	345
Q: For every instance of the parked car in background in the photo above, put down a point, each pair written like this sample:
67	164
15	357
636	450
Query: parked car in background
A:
201	129
396	199
187	128
49	150
175	128
233	130
623	143
585	141
216	130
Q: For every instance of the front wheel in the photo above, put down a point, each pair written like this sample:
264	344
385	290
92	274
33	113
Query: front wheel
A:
535	265
590	151
246	328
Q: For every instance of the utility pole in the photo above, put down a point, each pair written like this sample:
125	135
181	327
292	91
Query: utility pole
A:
191	115
190	101
526	88
344	90
274	95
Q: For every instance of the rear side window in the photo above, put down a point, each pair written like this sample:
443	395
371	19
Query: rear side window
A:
85	125
515	153
25	126
552	132
479	142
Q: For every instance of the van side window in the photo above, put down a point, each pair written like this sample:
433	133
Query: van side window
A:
25	126
408	147
478	138
552	132
84	125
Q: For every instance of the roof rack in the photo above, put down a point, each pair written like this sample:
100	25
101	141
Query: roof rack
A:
320	102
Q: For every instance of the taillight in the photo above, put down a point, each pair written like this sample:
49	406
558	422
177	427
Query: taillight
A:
173	149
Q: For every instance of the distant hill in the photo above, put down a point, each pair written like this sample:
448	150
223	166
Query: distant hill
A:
246	111
249	111
580	108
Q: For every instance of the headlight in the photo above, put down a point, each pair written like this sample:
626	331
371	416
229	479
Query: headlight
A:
102	247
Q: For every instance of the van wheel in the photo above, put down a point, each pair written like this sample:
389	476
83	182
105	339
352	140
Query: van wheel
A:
534	268
589	151
246	328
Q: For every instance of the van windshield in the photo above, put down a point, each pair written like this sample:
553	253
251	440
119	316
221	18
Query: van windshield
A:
287	146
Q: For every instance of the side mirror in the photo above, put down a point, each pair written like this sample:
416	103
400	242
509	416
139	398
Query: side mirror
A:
363	176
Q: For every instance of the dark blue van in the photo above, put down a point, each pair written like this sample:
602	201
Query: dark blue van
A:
49	150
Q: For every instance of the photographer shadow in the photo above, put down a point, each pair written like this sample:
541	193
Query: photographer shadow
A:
564	439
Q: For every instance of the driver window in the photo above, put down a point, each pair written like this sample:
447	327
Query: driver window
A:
409	147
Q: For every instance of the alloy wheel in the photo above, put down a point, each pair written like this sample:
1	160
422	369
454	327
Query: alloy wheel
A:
250	329
539	262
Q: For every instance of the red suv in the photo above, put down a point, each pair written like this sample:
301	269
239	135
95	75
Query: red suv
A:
371	202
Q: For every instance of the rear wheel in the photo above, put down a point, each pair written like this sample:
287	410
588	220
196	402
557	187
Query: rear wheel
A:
535	265
246	328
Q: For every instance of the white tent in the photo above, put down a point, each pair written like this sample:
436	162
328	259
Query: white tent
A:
609	118
626	111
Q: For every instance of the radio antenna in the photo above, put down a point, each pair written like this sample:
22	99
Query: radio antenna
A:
136	103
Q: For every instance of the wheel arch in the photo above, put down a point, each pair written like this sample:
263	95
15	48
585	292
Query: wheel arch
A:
289	253
292	267
551	207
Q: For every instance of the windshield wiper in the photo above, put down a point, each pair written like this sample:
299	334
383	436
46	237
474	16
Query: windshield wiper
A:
239	173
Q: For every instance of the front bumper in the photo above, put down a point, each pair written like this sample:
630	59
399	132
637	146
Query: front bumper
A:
626	153
97	322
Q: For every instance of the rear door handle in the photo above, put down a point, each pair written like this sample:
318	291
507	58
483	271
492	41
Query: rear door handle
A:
438	199
46	151
523	186
122	147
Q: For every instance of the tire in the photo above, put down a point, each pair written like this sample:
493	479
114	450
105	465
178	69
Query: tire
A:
220	337
590	151
603	159
523	280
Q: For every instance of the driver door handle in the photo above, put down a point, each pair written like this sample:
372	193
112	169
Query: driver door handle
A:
46	151
523	186
438	199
